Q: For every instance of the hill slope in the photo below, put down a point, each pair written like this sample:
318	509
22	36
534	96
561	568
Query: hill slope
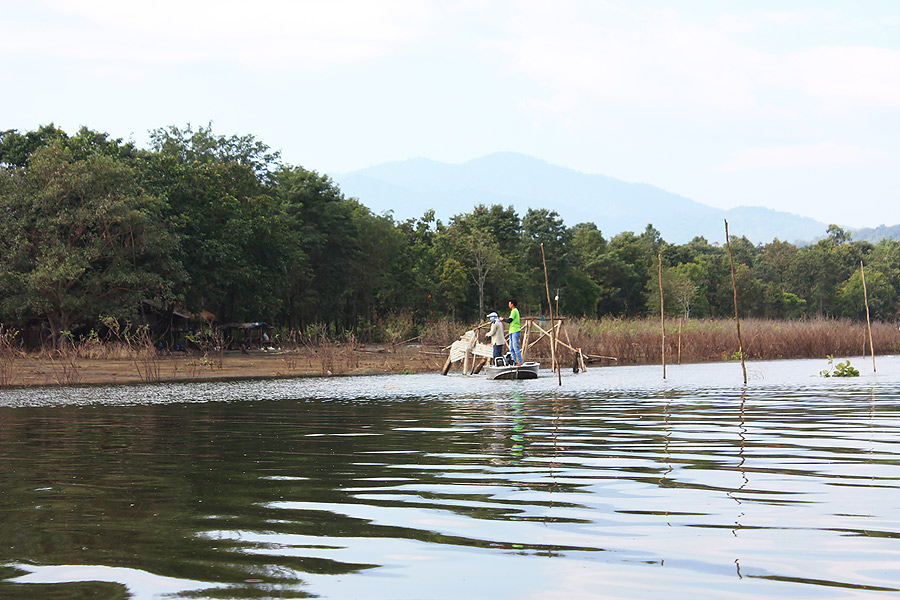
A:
409	188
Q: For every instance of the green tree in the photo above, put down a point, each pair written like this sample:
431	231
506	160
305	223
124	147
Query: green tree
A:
825	265
16	148
327	226
470	240
418	260
234	236
377	275
80	239
204	146
623	273
544	227
580	295
885	258
484	258
453	284
693	299
881	296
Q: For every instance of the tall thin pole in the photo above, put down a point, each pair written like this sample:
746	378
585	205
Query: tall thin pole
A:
862	271
737	319
550	305
662	316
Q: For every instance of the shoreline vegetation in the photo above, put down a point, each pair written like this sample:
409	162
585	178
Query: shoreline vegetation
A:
201	242
631	341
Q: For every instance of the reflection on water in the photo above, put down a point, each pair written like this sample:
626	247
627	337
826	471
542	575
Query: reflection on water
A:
616	484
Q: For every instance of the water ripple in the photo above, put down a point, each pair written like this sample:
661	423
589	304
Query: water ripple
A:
420	486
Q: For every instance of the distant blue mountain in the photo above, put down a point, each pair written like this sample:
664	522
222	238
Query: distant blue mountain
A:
876	234
410	188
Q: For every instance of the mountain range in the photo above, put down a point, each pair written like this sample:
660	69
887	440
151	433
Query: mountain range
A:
410	188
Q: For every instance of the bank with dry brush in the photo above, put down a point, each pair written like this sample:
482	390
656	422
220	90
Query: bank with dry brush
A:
703	340
132	358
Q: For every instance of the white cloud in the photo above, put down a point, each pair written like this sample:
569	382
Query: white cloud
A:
263	33
787	157
672	64
636	57
844	78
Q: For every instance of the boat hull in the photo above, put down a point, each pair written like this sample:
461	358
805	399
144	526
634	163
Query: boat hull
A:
528	370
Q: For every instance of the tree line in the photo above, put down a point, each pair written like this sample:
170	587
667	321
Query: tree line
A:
91	226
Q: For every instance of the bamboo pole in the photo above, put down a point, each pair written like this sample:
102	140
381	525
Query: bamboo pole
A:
737	319
662	316
862	271
679	340
558	342
550	306
576	362
557	326
469	347
466	362
558	330
526	330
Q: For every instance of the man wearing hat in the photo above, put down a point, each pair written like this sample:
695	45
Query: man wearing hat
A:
496	334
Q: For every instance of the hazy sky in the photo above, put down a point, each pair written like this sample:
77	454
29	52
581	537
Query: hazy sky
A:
793	105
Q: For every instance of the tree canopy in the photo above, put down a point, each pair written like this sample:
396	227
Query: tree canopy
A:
90	226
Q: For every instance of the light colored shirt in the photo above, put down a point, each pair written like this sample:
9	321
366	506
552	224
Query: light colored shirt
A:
496	333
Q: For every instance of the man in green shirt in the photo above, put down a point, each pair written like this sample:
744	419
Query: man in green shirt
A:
515	331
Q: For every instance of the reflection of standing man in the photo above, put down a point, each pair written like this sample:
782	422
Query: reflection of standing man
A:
496	334
515	331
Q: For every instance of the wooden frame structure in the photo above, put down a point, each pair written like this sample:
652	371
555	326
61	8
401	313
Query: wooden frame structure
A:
534	329
555	327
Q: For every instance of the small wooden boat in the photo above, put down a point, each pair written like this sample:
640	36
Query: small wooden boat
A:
528	370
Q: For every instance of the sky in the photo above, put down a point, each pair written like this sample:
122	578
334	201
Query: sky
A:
789	104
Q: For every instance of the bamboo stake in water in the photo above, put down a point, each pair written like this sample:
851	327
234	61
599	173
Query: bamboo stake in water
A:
550	305
862	271
737	319
662	316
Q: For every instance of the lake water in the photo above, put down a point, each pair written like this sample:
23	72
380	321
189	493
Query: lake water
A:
616	484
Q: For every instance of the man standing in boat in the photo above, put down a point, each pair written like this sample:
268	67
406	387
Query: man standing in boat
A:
515	331
496	334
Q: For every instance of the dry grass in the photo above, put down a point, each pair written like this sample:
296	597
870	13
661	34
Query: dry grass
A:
638	341
631	341
442	332
9	351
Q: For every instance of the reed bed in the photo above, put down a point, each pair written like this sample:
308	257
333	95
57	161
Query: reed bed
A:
630	341
638	341
9	351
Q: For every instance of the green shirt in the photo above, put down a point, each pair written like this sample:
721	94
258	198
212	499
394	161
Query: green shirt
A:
516	324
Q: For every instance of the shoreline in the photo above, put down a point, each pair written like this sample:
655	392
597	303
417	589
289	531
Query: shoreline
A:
42	371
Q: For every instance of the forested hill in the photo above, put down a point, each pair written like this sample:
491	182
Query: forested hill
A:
410	188
876	234
91	227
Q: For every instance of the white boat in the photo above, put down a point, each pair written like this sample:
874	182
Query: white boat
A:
501	370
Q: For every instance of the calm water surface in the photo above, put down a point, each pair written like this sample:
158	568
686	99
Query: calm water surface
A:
616	484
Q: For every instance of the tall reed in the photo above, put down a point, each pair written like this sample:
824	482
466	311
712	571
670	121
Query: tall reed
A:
637	341
8	353
64	361
137	345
